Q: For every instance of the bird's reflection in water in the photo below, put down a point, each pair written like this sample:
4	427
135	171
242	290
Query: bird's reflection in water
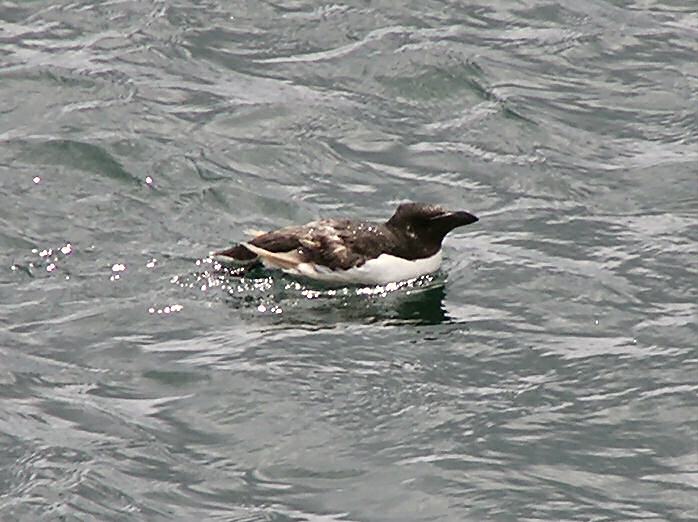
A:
423	307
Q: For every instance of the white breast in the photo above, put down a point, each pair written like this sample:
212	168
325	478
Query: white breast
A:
381	270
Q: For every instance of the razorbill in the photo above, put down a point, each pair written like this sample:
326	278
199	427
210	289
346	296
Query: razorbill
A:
345	251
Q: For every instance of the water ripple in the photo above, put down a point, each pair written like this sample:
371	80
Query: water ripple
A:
547	373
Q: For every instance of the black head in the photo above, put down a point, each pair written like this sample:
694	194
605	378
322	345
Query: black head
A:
428	223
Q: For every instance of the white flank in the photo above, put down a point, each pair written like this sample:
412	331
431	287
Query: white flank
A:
381	270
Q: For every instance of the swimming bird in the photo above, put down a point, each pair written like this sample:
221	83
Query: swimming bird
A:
345	251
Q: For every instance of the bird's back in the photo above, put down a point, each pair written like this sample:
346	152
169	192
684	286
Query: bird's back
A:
338	244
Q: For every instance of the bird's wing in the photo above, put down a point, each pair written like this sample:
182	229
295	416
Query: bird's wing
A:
335	244
324	242
344	244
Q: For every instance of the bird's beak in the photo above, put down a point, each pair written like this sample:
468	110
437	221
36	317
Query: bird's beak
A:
453	219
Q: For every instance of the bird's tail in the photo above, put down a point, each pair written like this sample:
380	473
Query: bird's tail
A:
282	260
237	255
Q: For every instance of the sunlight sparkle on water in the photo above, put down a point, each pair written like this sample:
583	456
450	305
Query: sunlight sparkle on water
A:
311	294
168	309
116	268
36	180
274	309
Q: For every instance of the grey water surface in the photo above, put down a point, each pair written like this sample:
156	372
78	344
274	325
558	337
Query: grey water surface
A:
549	372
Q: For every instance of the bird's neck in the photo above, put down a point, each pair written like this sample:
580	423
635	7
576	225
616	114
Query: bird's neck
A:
413	245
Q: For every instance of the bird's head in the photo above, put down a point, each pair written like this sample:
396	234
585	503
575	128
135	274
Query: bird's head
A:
426	222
